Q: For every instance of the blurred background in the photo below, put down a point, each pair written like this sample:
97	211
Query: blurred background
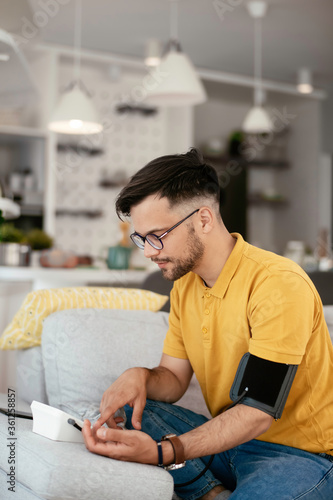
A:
274	170
90	91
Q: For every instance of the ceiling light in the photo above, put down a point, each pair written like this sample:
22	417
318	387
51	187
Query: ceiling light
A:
4	57
304	81
178	83
153	52
257	120
75	112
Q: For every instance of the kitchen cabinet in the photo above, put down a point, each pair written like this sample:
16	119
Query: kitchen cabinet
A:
40	277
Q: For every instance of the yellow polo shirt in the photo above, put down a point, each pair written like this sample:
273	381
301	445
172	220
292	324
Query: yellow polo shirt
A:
264	304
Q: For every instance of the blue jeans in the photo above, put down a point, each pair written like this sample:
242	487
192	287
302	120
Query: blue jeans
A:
252	470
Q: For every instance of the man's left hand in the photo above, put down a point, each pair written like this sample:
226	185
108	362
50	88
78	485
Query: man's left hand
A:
127	445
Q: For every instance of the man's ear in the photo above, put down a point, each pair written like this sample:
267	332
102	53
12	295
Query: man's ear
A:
206	219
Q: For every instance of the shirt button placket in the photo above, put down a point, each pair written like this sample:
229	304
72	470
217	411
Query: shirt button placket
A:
205	323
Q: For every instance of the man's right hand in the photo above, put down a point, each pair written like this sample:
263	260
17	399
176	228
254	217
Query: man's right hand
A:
129	388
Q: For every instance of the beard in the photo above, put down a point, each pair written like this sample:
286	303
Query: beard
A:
193	254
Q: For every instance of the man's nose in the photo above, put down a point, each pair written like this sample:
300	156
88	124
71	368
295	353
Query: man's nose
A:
150	251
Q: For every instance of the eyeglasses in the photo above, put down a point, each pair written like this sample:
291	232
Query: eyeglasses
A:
154	240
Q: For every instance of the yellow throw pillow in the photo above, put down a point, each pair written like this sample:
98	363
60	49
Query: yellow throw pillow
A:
26	328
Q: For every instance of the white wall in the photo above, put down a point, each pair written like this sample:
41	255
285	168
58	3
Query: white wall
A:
327	128
179	129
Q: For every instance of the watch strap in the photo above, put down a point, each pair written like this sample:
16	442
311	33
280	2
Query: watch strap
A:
178	448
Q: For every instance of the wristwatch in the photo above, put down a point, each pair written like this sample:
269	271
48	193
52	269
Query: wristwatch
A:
178	449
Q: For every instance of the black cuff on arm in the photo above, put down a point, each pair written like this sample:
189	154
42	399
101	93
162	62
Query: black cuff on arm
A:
263	384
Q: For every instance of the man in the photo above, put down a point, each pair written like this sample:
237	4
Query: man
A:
250	325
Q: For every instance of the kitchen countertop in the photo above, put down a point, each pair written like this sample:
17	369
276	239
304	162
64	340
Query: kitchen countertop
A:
42	277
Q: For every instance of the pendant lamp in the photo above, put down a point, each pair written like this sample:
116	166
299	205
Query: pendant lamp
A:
75	112
153	52
304	81
257	120
178	83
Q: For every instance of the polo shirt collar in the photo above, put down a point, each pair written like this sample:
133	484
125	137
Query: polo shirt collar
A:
221	285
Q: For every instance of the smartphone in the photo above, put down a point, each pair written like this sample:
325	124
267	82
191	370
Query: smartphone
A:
20	414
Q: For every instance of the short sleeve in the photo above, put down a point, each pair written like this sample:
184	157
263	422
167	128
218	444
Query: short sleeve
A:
281	312
173	343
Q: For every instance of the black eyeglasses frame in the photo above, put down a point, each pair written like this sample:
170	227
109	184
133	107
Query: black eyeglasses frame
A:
143	239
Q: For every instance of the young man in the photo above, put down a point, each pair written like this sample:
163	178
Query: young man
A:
250	324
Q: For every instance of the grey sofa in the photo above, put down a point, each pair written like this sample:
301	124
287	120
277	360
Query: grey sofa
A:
82	352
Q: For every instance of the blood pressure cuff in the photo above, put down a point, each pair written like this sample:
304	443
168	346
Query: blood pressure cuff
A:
262	384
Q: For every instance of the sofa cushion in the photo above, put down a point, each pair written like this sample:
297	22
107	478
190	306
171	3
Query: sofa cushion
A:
25	330
54	470
85	350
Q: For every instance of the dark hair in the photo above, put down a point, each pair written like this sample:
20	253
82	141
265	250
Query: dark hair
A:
179	178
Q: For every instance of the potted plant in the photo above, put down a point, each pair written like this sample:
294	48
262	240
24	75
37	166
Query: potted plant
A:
38	240
236	140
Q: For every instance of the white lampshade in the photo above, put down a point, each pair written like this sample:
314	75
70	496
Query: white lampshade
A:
177	83
257	121
10	210
75	114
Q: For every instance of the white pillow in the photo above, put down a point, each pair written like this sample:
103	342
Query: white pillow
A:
85	350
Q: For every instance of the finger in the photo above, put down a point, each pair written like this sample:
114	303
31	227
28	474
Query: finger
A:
137	413
111	435
129	445
107	448
95	444
106	417
111	423
88	436
86	426
104	401
101	433
108	402
120	423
